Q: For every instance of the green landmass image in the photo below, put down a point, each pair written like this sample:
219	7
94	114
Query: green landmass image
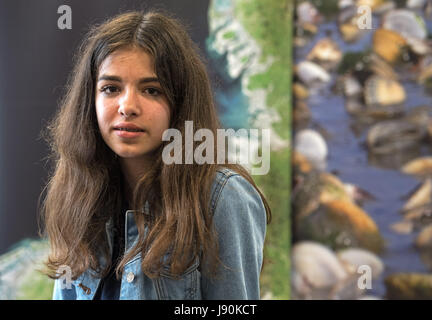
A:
254	40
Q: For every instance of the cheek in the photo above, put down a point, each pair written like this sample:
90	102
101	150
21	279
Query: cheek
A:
158	116
99	116
102	114
166	116
164	120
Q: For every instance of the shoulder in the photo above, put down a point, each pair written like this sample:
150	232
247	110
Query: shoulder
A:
227	178
239	221
219	182
233	192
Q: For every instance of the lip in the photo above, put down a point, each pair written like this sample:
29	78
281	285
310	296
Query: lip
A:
127	134
127	125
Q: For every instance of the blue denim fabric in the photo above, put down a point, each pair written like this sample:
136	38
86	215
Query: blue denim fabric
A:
240	222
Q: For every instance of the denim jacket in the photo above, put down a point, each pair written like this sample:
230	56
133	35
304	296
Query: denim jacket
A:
240	223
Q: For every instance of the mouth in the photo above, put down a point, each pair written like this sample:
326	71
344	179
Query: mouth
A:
129	129
129	133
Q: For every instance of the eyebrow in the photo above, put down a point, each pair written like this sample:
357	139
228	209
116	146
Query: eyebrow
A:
118	79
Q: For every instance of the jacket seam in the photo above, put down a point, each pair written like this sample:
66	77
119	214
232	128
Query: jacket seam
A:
220	185
159	290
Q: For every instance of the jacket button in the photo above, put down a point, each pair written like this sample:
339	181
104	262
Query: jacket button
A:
130	277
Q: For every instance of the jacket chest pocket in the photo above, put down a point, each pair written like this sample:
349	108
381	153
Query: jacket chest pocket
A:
187	286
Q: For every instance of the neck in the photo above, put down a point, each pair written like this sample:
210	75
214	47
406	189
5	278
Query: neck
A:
132	170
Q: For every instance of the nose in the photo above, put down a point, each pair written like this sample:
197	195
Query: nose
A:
128	104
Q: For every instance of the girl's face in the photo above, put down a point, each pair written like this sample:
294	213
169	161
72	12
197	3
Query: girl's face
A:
132	111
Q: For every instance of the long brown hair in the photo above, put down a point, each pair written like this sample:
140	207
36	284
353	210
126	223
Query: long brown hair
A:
85	189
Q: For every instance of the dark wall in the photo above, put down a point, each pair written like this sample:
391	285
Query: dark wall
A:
35	60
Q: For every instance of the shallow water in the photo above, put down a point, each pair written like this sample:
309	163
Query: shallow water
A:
349	158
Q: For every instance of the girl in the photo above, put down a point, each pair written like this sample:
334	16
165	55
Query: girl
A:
120	221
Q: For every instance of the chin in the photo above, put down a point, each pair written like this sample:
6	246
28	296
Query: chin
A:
129	155
133	154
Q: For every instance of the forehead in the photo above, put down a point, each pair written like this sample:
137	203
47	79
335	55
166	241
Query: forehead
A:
128	61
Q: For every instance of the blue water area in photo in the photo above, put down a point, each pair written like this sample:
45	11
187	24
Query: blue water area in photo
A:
223	5
233	106
232	103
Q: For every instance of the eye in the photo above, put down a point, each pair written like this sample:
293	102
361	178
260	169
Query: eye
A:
153	91
109	89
